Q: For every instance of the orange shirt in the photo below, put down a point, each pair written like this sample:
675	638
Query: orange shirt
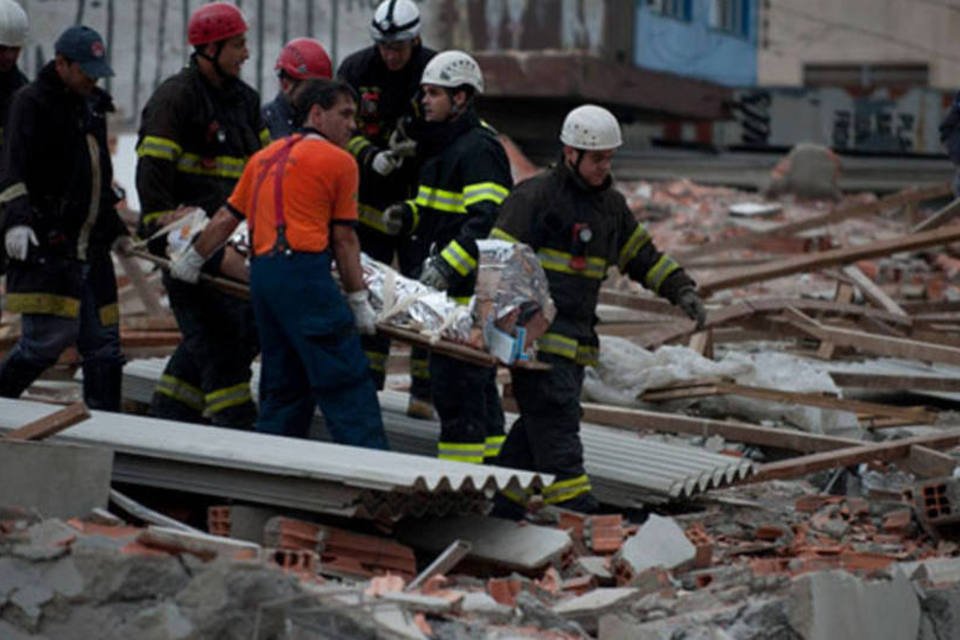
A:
319	187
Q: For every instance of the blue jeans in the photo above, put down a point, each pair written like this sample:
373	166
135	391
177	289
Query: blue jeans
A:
310	353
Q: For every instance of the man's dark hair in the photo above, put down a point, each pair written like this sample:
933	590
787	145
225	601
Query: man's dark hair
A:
319	91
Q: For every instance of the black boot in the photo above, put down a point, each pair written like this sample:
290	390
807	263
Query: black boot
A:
101	384
17	373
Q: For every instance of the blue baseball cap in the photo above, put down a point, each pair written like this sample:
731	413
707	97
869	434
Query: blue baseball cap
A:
84	46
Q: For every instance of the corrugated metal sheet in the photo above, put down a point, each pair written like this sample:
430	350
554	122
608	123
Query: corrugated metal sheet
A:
301	473
625	469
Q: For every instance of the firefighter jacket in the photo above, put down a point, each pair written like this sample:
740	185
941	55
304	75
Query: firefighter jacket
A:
194	141
579	232
9	83
464	177
56	177
386	98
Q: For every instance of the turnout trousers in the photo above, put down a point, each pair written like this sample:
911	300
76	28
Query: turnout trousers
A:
208	376
468	403
546	437
382	248
311	354
93	326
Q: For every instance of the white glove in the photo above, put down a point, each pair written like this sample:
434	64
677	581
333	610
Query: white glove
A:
123	245
187	266
18	241
402	146
394	217
432	276
386	163
364	317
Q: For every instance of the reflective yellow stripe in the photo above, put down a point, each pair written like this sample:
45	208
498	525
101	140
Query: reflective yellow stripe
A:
416	214
458	258
153	216
377	360
357	144
464	300
481	191
420	368
553	260
371	217
499	234
659	272
157	147
227	397
461	452
13	192
560	345
181	391
492	446
448	201
220	167
109	315
42	304
566	489
638	239
520	498
264	137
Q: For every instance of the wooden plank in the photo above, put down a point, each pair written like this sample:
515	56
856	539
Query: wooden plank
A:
875	344
871	291
880	451
702	343
893	382
640	303
929	463
837	215
844	255
51	424
940	218
147	295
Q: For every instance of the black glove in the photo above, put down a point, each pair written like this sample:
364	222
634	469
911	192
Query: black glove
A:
692	305
437	273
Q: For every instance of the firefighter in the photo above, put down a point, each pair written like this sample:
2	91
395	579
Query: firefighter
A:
464	177
13	35
579	225
59	223
197	131
300	59
387	76
299	199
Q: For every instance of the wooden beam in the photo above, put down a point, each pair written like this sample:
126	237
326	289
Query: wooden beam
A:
929	463
939	218
871	291
51	424
147	295
875	344
837	215
844	255
879	451
893	382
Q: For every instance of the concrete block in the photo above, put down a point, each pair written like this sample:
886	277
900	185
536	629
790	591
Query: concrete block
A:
397	623
596	566
57	480
10	632
595	603
836	604
45	541
420	602
164	621
482	605
660	542
505	543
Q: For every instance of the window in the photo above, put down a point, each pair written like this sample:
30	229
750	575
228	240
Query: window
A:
732	16
679	9
894	75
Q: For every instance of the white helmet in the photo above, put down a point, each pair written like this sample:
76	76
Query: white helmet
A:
395	20
13	24
591	128
451	69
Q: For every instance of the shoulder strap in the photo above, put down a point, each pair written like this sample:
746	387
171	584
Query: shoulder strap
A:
280	160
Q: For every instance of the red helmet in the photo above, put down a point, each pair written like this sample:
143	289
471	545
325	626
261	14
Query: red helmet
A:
215	22
303	59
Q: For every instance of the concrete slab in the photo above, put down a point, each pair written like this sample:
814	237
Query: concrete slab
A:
595	603
660	542
56	480
506	543
420	602
836	604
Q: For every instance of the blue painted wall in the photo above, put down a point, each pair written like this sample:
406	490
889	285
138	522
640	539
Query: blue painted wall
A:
689	46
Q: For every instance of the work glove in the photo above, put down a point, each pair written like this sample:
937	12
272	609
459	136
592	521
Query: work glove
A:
364	317
386	163
17	241
396	218
690	302
187	265
401	145
434	275
123	245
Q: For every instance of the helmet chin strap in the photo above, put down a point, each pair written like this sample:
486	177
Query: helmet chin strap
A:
215	59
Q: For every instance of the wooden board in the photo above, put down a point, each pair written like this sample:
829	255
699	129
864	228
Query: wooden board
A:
893	382
51	424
